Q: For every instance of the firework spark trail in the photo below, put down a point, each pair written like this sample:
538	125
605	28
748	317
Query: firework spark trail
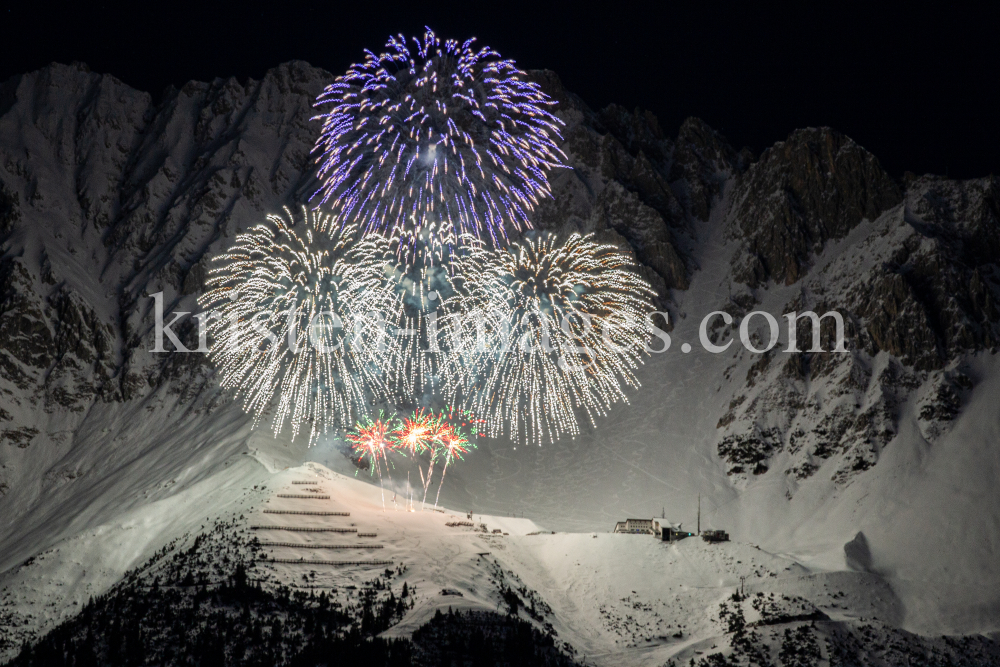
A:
474	320
417	435
438	133
412	435
429	157
440	430
370	439
567	328
291	320
433	435
454	445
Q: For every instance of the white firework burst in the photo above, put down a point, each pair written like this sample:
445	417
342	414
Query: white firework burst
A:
292	321
558	328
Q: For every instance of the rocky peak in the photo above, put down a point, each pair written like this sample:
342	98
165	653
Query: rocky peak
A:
616	185
638	131
647	233
965	211
919	292
10	210
815	186
942	274
130	196
702	161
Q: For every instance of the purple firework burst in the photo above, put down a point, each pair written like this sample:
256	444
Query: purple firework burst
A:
438	134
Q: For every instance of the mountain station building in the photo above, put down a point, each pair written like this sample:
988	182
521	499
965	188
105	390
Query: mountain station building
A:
660	528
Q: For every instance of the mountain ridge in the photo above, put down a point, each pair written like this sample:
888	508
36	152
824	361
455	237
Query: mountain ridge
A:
108	196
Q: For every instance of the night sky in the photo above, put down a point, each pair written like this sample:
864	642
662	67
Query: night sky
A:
916	86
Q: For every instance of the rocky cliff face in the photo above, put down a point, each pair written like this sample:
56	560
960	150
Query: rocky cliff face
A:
918	298
813	187
107	196
636	187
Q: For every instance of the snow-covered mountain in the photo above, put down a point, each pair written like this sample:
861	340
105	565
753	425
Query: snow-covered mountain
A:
108	452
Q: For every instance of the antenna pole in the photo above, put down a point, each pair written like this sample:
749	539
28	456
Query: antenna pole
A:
699	514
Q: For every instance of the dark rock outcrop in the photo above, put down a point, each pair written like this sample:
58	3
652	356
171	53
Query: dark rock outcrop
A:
858	554
815	186
639	132
645	230
10	210
934	296
702	163
918	294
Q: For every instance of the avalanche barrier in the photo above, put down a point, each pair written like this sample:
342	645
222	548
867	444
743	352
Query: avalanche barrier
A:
302	561
321	546
312	512
304	529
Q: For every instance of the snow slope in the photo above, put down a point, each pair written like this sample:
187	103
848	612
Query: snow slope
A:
612	598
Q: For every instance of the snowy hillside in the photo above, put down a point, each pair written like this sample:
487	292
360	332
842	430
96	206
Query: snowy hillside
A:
109	452
600	598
